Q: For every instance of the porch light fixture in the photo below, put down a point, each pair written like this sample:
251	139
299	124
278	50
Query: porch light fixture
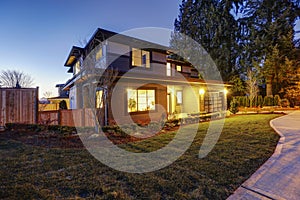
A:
201	91
225	91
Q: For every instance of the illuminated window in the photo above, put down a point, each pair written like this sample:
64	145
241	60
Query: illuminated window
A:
99	100
140	100
179	97
132	100
168	69
179	68
140	58
77	67
99	54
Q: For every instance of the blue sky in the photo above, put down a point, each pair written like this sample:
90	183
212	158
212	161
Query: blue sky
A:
37	35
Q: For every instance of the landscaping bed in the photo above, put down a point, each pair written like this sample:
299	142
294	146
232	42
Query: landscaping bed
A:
31	172
54	136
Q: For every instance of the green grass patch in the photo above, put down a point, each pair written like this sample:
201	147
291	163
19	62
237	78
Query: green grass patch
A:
246	142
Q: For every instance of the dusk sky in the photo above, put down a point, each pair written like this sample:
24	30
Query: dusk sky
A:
37	35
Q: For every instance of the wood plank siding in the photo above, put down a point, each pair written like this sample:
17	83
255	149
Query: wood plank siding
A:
18	105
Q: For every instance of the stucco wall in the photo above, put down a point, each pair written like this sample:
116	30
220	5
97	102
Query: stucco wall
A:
190	100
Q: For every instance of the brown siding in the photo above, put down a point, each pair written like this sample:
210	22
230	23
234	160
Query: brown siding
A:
160	57
117	61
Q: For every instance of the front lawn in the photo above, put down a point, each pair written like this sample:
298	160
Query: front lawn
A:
30	172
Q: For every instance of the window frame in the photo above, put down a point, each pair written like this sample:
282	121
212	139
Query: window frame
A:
181	99
168	69
179	70
137	103
141	66
77	66
96	99
99	54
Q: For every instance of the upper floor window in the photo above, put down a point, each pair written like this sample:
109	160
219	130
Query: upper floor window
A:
99	53
179	68
77	66
140	58
169	69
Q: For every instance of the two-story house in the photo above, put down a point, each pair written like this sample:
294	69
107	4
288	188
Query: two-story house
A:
148	83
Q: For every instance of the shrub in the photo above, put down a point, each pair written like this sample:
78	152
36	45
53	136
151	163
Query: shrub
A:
155	126
172	123
260	101
234	106
268	101
63	105
276	100
61	129
247	101
254	102
285	103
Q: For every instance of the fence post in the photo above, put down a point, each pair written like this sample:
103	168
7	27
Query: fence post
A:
37	105
59	115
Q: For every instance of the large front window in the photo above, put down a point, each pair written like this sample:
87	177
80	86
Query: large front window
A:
140	100
169	69
140	58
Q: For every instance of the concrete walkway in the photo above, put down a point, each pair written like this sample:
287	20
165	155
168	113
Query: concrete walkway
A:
279	177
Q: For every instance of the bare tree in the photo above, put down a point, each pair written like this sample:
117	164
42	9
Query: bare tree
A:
15	78
47	94
105	84
252	88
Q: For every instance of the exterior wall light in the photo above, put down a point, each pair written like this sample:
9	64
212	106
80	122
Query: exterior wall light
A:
225	91
201	91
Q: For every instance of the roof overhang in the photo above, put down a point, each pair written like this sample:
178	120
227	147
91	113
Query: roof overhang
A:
73	56
101	35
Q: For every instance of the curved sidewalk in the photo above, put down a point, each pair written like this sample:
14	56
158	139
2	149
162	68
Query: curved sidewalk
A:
279	177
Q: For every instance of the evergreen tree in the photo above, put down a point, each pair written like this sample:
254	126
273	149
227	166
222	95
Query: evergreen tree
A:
211	24
268	37
63	105
234	106
245	35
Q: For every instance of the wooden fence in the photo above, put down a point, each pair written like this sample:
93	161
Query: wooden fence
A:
18	105
80	117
